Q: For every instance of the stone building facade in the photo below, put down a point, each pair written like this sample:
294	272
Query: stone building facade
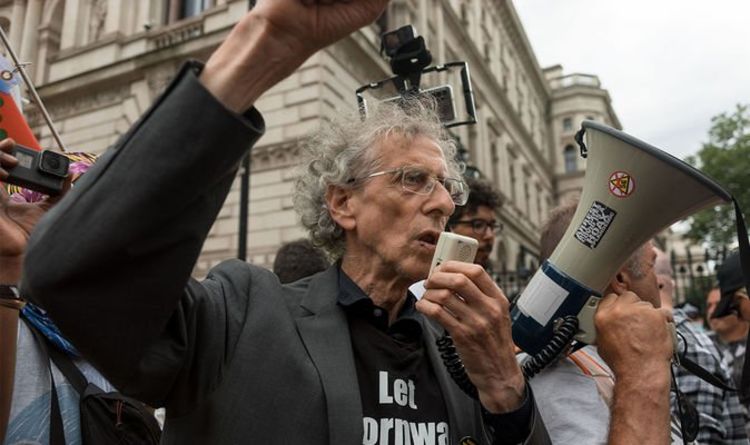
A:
98	64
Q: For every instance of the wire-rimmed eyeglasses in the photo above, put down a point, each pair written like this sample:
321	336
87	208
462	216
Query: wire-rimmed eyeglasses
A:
420	181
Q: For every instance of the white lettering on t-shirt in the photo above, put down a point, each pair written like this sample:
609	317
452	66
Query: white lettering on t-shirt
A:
381	431
385	427
370	436
403	391
423	433
405	432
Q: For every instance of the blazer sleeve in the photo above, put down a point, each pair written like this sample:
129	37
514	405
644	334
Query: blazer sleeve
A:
111	262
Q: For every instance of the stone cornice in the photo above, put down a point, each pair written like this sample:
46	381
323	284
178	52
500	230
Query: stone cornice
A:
268	157
506	110
70	105
512	23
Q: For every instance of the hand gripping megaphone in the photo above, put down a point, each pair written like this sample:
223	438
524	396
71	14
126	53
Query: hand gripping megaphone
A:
631	192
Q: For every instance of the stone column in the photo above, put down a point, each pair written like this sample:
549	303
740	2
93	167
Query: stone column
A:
71	32
16	24
31	34
421	24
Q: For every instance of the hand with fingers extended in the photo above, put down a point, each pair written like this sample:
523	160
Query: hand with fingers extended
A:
634	339
465	300
17	219
275	38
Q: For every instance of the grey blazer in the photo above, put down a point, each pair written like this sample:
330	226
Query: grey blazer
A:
236	359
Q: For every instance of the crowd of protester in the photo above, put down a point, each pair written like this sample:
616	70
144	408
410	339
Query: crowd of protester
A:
333	347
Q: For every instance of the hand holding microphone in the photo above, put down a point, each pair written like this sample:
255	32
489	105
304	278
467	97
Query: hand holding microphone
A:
465	300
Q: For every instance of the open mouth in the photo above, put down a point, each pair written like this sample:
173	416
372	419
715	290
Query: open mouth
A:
429	238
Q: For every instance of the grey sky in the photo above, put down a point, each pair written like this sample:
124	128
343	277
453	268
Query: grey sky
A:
669	65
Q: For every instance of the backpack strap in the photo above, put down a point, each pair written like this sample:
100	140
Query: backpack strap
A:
10	305
71	372
56	430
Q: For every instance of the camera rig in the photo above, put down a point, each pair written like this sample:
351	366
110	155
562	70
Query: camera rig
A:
409	60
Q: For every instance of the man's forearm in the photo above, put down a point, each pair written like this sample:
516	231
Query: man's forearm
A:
640	407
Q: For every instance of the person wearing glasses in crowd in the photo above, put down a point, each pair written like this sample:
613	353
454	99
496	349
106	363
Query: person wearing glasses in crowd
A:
478	219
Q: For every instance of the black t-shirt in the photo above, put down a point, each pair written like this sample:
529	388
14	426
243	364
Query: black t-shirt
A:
401	399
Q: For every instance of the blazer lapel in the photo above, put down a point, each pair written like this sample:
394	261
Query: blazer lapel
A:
325	333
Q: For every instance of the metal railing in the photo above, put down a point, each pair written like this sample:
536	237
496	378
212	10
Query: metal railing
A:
695	274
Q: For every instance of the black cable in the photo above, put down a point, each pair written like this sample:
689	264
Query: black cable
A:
689	419
560	341
455	366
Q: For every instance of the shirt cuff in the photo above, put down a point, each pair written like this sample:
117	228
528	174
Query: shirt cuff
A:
512	427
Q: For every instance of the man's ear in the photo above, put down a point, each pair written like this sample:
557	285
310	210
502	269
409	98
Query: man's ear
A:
341	207
620	282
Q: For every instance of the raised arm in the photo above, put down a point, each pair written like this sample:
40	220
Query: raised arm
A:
111	261
633	338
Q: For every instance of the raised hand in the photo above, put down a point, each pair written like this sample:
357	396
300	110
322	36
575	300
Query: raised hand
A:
17	219
470	306
275	38
633	338
632	334
309	25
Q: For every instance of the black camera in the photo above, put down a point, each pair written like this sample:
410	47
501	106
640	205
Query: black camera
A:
392	41
42	171
410	60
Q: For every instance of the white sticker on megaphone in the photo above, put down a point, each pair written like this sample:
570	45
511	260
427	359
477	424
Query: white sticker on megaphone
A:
541	298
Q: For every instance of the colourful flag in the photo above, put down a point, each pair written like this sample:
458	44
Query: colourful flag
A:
12	123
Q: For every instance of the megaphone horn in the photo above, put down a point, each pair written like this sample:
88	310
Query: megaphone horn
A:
632	191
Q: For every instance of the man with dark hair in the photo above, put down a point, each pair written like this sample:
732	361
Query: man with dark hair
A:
478	219
298	259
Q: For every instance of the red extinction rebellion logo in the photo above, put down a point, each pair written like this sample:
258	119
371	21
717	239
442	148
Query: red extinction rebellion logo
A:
621	184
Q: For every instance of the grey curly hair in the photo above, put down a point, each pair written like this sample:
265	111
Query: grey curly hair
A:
343	150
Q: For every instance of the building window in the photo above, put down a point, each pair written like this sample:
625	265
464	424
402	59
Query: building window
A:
571	159
182	9
567	124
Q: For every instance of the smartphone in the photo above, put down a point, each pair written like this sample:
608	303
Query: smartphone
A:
453	247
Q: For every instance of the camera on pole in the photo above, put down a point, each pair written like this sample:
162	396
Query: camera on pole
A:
410	60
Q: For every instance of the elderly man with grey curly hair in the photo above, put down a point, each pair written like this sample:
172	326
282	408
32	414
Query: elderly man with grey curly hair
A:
346	356
343	357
